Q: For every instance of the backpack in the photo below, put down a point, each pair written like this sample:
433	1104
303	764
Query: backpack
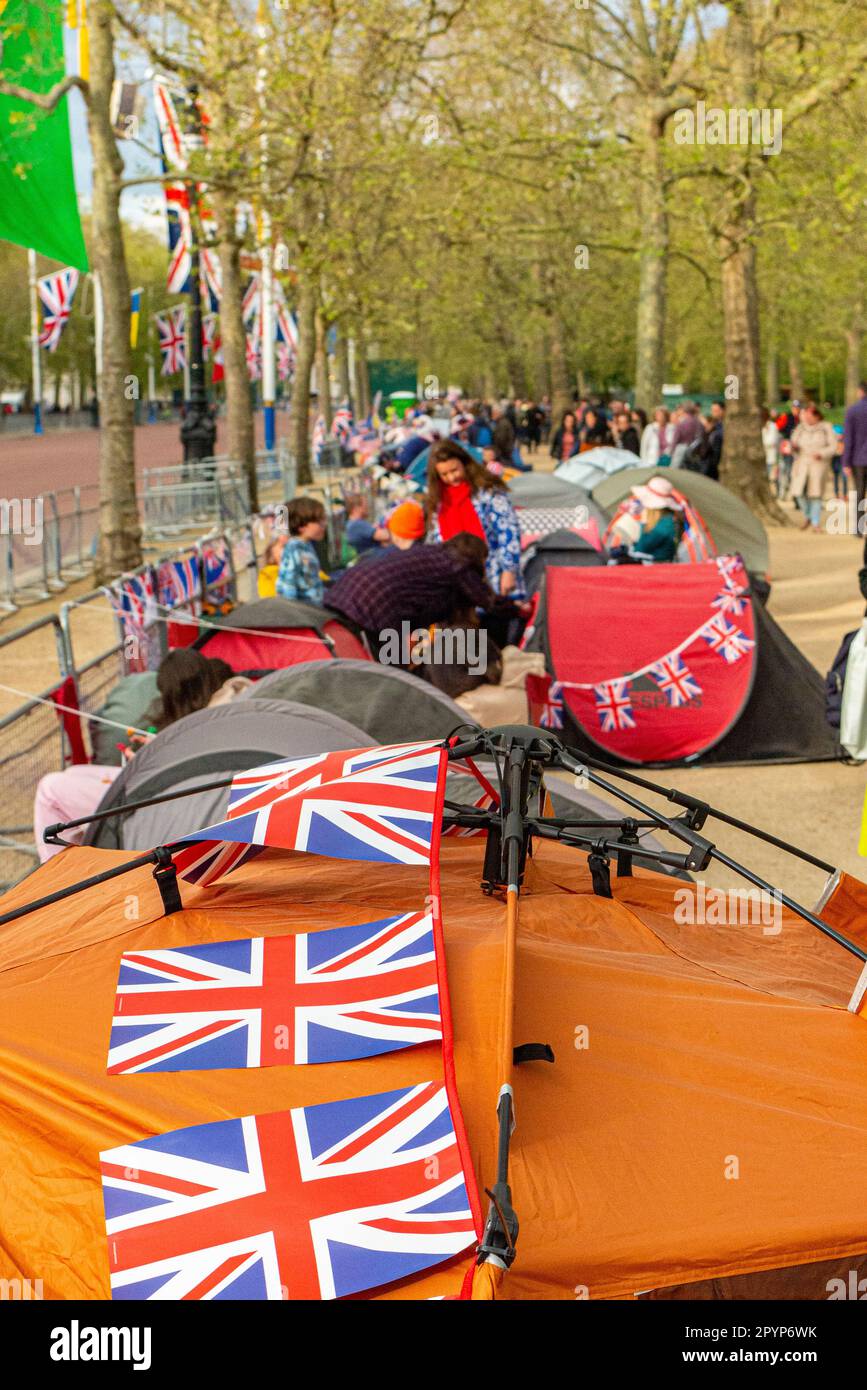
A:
835	681
696	457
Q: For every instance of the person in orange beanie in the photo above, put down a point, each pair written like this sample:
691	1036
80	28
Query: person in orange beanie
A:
406	525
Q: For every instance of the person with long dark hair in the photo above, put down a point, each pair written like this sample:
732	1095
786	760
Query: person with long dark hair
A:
462	496
566	441
595	430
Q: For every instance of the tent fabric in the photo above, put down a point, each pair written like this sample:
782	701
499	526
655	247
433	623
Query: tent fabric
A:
272	633
201	748
590	467
696	1034
559	548
618	612
733	528
639	676
378	699
545	490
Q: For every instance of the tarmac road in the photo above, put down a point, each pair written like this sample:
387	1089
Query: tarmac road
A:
30	464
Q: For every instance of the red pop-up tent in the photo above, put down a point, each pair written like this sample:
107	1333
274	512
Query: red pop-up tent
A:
672	663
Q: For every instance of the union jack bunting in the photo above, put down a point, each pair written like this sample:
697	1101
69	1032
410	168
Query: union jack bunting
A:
180	579
314	1203
216	565
675	680
374	804
723	637
171	329
614	706
57	292
733	597
327	996
551	716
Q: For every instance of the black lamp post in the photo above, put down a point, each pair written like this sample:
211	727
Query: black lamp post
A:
198	429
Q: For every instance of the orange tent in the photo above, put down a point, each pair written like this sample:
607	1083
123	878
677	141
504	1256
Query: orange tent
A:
704	1120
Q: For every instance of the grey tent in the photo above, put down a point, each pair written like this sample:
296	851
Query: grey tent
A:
558	548
203	747
545	490
391	706
733	528
593	465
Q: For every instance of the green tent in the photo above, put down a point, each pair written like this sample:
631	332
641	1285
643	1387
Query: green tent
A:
38	204
732	526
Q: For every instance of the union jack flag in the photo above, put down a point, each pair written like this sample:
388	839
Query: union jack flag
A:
367	803
209	333
287	329
551	716
675	680
341	425
251	305
179	580
732	598
327	996
486	798
313	1203
723	637
171	328
57	292
254	358
285	361
613	705
206	861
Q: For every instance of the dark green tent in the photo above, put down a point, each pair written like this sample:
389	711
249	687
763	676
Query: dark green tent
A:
733	527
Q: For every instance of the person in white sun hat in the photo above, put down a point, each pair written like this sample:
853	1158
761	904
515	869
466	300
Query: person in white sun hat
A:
660	521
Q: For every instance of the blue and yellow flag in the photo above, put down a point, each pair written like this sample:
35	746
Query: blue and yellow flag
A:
134	316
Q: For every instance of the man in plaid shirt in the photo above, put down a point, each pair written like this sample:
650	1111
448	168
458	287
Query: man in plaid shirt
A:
427	584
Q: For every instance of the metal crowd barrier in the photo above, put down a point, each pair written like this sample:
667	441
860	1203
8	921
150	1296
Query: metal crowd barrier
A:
214	490
45	542
32	743
221	566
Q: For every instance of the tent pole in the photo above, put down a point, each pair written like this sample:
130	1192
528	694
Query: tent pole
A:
150	858
790	903
692	803
53	832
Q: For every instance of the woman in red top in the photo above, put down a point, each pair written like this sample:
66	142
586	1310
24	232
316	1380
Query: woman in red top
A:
462	496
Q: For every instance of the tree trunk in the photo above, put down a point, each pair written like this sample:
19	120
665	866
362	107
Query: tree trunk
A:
652	273
854	344
772	377
323	381
119	546
796	378
561	391
241	442
363	403
343	368
743	464
299	419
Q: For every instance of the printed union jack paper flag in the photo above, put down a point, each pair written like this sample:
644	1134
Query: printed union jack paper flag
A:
327	996
614	706
376	804
675	680
726	639
312	1203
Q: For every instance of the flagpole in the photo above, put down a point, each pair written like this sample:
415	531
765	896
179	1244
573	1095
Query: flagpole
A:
35	349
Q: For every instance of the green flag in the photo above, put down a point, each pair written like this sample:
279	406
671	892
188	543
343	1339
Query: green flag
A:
38	206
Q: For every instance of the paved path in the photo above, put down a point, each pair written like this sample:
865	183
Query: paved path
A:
30	464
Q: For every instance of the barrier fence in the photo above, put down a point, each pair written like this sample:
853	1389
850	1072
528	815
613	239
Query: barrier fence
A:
98	638
46	542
